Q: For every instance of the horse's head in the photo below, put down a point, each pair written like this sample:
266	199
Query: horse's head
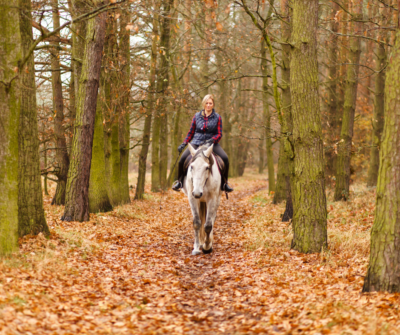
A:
200	168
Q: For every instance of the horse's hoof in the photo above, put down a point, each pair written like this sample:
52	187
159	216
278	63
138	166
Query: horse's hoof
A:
209	251
195	253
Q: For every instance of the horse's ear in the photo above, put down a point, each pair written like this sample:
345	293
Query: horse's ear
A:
208	152
192	150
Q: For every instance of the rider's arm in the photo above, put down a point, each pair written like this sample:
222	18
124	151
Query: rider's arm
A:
191	132
217	137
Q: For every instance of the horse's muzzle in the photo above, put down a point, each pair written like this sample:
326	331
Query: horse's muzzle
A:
197	195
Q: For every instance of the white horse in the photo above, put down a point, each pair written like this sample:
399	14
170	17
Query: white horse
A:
202	186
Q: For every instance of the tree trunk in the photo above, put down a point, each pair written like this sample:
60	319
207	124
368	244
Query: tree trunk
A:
286	154
110	94
267	116
309	201
72	112
77	198
124	128
162	88
349	107
333	132
378	117
98	197
31	218
62	158
261	155
10	56
78	41
282	173
384	262
149	113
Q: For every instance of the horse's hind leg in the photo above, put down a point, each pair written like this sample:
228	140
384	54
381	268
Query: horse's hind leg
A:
196	226
208	227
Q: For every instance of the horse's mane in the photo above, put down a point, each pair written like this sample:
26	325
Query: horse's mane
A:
200	153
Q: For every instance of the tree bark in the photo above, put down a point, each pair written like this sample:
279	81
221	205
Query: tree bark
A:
378	117
10	55
31	218
267	116
110	95
162	88
77	198
149	114
350	100
123	115
98	197
78	8
332	138
287	119
384	262
309	201
62	158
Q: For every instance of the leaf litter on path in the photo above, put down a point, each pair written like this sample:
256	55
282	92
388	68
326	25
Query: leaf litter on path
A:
130	272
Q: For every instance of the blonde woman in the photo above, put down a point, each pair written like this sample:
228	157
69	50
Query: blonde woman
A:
206	128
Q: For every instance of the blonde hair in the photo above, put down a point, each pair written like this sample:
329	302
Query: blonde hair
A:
207	97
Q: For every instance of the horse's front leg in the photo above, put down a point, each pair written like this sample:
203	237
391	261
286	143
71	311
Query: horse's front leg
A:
195	206
212	208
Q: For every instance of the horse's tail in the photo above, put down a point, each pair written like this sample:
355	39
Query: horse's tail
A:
203	215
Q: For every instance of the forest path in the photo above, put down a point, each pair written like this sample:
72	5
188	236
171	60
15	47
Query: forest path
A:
130	271
150	265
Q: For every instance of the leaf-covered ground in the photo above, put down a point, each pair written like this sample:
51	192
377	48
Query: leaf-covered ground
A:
130	272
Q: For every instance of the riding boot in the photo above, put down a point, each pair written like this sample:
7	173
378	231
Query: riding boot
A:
177	185
227	188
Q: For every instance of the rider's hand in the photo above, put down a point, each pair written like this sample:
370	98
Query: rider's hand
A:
210	141
181	147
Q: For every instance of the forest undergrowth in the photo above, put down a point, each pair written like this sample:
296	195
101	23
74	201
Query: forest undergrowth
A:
130	272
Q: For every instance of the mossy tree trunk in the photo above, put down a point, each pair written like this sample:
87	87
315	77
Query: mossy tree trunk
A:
384	262
149	114
378	116
31	218
77	197
333	130
309	201
10	56
98	196
62	158
72	111
350	100
267	116
110	96
123	115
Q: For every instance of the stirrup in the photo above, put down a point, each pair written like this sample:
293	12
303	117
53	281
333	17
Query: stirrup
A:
177	185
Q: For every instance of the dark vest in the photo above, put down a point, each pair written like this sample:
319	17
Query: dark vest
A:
206	128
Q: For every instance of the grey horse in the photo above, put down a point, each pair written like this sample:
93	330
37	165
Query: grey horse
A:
202	186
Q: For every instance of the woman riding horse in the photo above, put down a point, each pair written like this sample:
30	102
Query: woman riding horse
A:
206	128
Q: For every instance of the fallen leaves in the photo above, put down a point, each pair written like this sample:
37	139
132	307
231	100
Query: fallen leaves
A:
130	272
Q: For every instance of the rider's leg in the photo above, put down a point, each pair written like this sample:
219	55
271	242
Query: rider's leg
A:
181	169
221	153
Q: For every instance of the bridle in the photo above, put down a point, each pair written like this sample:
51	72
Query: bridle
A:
209	165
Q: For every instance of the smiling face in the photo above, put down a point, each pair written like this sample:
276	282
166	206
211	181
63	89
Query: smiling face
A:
209	105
